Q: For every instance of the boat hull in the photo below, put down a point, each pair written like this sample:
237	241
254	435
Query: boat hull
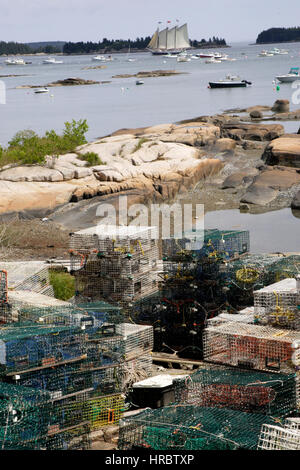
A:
227	85
283	79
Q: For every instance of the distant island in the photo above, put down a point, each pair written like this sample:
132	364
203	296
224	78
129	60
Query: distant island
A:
121	45
275	35
12	48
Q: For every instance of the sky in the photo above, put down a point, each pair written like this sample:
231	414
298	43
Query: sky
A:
92	20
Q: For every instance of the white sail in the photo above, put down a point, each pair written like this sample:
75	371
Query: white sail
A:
171	43
170	39
153	44
162	39
182	37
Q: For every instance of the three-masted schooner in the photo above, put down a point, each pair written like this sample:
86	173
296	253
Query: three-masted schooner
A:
174	40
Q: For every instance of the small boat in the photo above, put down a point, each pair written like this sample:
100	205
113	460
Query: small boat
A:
213	61
183	58
171	55
225	57
41	90
52	60
265	54
276	51
230	81
139	82
290	77
14	62
102	58
205	56
129	59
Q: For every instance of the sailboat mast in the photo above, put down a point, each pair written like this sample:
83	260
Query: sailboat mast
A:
176	32
167	38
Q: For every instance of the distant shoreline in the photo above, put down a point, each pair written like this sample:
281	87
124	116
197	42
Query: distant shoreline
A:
273	42
124	51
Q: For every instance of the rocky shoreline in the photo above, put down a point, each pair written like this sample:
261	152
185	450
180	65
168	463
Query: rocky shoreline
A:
65	82
250	165
153	74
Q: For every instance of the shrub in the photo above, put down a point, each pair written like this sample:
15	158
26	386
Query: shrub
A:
26	147
91	158
63	285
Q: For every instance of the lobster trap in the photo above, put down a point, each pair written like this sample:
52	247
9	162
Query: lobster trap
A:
98	412
5	307
279	304
138	339
250	346
204	242
29	276
72	380
28	346
253	392
116	264
29	421
286	437
24	417
183	427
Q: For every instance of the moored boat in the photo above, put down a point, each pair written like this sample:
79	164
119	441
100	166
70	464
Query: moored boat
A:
14	62
230	82
290	77
213	61
41	90
265	54
52	60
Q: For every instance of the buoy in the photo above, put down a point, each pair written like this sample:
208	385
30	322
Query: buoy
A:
278	88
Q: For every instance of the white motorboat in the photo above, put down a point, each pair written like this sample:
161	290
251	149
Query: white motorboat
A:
171	55
41	90
213	61
183	58
290	77
265	54
14	62
276	51
139	82
102	58
52	60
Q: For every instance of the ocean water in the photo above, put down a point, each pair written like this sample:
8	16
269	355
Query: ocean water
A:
121	103
275	231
